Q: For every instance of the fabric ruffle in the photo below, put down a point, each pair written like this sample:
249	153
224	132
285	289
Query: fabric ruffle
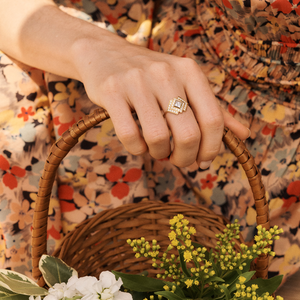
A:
262	77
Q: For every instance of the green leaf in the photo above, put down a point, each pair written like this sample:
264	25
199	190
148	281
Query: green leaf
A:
220	297
140	283
143	295
17	276
197	245
247	275
266	285
21	287
211	293
248	265
226	292
183	264
214	278
144	273
216	268
54	270
178	290
7	294
208	292
210	255
231	276
5	291
169	295
13	297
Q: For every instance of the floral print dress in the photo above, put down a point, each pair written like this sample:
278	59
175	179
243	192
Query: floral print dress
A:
250	53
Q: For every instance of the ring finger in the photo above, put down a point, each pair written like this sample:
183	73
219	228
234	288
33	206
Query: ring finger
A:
185	131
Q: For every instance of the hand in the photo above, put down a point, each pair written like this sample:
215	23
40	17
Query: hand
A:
122	78
125	78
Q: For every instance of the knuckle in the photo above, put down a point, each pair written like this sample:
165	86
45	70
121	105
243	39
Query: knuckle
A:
161	69
130	141
191	71
189	64
138	150
215	121
159	155
110	84
135	74
183	163
208	153
211	153
206	157
157	137
127	135
190	137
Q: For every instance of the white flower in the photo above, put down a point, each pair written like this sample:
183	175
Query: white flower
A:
36	298
72	281
58	290
107	288
63	290
51	297
83	285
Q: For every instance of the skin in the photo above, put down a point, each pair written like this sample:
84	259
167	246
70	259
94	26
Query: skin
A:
122	78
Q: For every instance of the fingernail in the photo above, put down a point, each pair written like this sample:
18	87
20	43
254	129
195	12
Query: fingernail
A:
205	164
249	133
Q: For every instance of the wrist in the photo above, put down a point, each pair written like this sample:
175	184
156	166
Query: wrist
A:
99	47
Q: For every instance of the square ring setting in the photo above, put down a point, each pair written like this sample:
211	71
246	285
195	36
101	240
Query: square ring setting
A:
177	105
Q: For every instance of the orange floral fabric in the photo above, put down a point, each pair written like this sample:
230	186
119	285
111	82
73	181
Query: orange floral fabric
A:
249	51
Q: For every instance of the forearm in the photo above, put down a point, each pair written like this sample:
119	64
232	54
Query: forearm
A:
39	34
121	77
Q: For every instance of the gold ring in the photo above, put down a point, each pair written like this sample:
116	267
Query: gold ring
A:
177	105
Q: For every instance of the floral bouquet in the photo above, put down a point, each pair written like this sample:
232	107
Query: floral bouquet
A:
186	271
63	282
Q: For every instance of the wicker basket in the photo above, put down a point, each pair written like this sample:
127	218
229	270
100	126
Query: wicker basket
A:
99	243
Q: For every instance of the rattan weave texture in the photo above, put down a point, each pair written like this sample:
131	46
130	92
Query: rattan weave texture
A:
100	243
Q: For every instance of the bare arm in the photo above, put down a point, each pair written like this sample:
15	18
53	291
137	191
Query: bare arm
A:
38	33
121	77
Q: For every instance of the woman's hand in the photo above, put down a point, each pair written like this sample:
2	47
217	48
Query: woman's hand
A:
122	78
126	78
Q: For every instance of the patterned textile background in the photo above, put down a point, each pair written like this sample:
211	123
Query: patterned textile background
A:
249	51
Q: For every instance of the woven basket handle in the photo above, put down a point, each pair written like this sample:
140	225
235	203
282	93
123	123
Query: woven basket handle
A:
69	138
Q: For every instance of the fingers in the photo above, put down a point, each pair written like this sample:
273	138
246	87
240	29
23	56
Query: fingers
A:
155	135
183	126
125	126
197	132
155	130
186	138
240	130
208	115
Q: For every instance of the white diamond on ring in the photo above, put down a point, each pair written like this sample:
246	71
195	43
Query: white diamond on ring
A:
177	105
